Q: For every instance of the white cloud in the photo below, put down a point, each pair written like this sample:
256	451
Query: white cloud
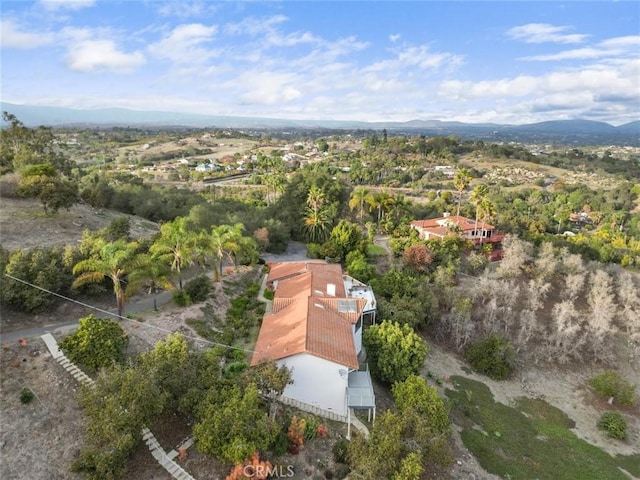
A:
506	87
420	57
89	55
612	47
66	4
576	54
12	36
185	44
394	38
254	26
544	33
603	91
267	88
184	9
291	39
630	41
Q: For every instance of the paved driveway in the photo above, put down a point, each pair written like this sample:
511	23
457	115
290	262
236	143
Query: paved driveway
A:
296	251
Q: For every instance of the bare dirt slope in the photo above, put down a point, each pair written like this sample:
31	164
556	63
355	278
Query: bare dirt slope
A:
565	389
23	224
38	440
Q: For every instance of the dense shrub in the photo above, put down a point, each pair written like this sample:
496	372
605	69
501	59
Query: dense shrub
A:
181	298
198	289
395	351
340	451
494	356
26	395
610	384
614	424
269	294
97	343
280	444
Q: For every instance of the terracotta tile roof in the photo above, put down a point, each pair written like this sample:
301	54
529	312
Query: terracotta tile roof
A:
329	336
349	309
464	223
306	318
281	270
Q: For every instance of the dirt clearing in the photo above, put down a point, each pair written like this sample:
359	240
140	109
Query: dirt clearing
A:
23	224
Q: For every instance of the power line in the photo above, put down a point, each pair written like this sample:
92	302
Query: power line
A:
120	317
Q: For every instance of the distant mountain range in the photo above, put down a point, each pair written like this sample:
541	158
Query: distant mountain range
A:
579	132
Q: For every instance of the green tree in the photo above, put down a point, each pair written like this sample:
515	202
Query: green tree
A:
152	273
410	468
227	241
175	246
45	268
118	228
44	183
380	203
487	211
270	380
234	425
413	394
494	356
398	207
97	343
347	237
461	180
171	366
357	266
317	220
22	146
479	195
380	455
115	261
359	197
123	400
395	350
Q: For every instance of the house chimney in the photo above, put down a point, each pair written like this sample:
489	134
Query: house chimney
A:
331	289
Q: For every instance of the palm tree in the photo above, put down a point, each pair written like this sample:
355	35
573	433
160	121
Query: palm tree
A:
316	198
114	260
399	206
317	223
380	202
487	211
317	215
461	181
358	198
176	246
152	273
478	195
227	241
218	241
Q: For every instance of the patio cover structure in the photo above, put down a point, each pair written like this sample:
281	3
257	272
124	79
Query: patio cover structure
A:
360	395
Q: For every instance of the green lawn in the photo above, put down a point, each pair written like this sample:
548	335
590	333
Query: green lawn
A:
531	440
375	251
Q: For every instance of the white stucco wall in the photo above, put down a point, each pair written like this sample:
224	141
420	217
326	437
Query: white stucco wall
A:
356	328
318	382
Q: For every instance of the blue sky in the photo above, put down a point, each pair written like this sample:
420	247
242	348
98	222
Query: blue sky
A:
504	62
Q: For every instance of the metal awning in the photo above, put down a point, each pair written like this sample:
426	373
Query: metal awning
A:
360	390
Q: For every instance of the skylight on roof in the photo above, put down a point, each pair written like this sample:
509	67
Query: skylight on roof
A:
347	306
